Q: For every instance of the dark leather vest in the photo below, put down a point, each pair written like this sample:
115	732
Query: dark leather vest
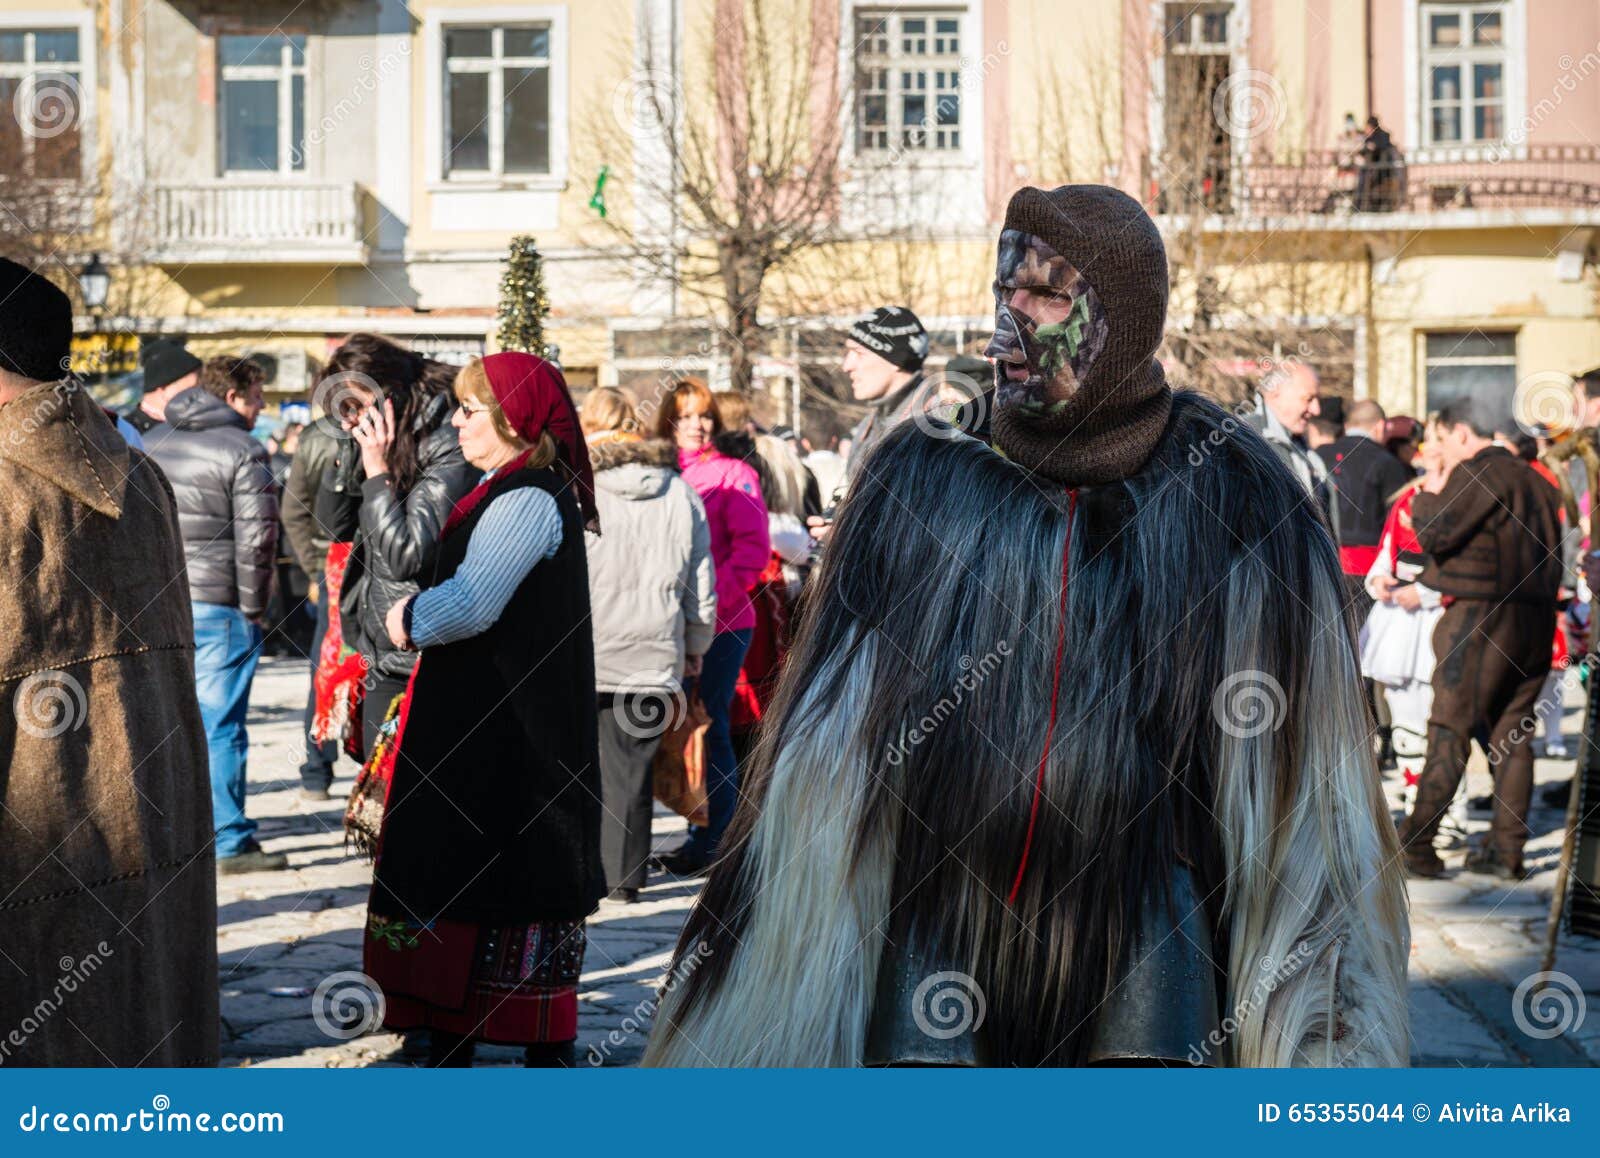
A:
1164	1008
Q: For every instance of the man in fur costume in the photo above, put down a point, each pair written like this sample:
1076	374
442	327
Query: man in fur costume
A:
1076	770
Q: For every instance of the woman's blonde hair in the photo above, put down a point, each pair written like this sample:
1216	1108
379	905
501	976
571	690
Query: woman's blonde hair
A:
733	408
472	385
607	408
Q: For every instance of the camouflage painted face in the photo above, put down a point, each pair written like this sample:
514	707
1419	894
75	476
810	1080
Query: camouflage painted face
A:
1049	325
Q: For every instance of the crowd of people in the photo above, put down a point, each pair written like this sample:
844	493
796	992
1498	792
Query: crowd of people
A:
1462	560
522	607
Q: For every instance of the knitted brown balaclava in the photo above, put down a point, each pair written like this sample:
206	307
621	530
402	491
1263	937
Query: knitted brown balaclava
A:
1080	303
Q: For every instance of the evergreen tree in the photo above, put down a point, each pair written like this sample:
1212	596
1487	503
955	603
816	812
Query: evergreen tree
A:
523	300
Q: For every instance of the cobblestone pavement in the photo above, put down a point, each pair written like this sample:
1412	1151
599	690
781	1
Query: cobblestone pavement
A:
283	934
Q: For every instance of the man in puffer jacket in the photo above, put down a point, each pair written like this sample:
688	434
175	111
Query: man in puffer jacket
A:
228	516
653	593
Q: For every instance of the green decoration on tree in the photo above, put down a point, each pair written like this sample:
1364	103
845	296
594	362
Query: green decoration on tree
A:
524	303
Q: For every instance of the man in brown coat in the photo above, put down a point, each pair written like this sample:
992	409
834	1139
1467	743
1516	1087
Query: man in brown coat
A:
107	887
1493	537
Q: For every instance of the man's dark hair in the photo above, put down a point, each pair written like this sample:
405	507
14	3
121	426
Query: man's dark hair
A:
1469	412
1327	427
227	374
1588	382
1372	122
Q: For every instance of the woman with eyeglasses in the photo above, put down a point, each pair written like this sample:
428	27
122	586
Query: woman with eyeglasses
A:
489	848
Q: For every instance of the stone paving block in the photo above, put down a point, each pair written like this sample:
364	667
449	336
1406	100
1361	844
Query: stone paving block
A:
1442	1034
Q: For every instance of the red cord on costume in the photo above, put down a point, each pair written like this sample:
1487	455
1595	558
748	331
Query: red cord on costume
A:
1055	692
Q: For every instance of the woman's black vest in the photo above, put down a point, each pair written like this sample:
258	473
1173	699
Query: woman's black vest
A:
494	813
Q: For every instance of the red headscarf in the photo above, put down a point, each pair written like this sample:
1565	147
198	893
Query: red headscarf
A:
533	397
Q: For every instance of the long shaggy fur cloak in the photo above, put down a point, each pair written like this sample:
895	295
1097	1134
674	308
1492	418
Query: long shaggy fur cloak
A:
1209	715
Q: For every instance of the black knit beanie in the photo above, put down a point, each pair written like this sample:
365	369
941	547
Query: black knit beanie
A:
164	361
894	334
1108	428
35	324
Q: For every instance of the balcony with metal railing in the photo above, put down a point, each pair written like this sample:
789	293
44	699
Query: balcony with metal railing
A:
1542	184
284	222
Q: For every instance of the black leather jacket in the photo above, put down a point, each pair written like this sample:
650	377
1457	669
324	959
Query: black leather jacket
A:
227	501
396	539
308	539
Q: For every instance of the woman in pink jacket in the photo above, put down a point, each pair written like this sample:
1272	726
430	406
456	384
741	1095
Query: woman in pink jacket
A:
740	549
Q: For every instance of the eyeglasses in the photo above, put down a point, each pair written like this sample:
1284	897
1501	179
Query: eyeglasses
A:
470	410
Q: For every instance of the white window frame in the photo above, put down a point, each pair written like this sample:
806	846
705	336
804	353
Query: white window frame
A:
1237	49
970	62
283	73
924	59
83	23
435	24
1196	19
1428	363
1418	57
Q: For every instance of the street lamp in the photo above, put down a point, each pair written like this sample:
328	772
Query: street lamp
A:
94	280
94	283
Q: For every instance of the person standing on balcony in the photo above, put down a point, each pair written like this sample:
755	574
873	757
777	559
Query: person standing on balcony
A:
228	512
1378	179
169	370
105	828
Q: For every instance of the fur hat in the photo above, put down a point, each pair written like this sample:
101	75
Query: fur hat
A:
36	337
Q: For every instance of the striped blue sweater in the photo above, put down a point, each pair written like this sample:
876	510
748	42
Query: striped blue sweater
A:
517	530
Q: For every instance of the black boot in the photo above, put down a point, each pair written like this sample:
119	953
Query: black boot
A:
551	1055
449	1051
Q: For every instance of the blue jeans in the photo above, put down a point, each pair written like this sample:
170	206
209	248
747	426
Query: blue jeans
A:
719	672
227	647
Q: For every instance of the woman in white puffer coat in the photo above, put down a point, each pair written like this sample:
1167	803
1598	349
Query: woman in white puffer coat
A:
653	591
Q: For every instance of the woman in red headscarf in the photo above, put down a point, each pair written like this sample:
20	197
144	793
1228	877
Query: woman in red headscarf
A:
489	852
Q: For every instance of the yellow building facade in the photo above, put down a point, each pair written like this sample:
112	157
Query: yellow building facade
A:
272	177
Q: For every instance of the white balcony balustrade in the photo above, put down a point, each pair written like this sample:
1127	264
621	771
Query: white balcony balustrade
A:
281	222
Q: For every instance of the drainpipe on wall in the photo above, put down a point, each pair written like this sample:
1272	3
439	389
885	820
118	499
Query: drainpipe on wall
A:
1366	57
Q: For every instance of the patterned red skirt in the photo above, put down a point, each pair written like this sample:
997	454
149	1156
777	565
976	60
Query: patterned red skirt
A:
509	986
